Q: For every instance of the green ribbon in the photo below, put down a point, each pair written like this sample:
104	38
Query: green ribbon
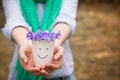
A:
29	12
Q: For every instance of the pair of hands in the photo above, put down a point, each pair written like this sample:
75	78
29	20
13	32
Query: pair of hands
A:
26	60
25	50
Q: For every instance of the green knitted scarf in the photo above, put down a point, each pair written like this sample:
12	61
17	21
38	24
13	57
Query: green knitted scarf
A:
29	12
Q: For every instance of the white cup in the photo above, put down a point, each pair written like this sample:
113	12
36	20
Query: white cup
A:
43	52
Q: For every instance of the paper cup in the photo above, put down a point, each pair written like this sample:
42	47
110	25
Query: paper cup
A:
43	52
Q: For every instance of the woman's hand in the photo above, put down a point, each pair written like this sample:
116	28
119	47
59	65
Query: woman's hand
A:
57	60
26	60
59	50
25	51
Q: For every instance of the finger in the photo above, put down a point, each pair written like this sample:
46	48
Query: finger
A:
47	69
45	73
58	54
51	67
29	68
23	56
33	69
36	74
40	73
31	62
55	65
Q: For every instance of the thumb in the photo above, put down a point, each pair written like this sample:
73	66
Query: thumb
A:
23	55
58	54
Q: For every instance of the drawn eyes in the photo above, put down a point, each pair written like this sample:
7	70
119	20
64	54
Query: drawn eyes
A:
41	49
46	48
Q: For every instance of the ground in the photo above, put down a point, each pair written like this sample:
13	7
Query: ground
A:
95	44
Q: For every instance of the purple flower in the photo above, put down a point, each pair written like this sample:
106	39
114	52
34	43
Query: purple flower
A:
39	35
29	36
36	37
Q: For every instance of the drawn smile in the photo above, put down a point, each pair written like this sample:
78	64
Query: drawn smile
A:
43	57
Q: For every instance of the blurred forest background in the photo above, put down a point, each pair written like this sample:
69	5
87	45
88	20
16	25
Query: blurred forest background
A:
95	44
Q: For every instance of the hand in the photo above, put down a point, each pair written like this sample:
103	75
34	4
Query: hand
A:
57	59
26	60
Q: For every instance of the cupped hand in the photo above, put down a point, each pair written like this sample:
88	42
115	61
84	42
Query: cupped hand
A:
26	60
57	60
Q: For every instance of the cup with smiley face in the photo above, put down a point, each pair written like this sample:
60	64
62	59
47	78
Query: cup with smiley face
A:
43	52
43	46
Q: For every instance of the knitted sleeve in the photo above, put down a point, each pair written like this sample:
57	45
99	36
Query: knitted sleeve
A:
13	17
68	14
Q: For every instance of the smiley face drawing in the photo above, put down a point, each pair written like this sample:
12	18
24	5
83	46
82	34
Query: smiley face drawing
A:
45	54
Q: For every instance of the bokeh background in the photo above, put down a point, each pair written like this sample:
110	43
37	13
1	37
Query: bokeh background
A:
95	44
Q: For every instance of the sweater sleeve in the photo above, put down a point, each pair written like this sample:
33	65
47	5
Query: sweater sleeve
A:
68	14
13	17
